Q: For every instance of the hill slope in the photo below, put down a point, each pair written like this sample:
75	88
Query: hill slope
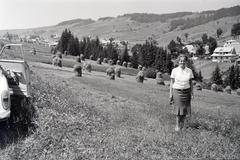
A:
136	30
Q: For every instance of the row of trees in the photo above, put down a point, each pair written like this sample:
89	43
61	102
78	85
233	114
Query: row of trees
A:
176	46
228	78
148	54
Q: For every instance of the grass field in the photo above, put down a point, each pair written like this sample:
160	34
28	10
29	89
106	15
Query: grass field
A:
92	117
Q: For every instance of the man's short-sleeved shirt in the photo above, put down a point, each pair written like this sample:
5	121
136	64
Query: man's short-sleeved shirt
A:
182	77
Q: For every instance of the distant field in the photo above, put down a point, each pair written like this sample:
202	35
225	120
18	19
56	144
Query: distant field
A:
43	55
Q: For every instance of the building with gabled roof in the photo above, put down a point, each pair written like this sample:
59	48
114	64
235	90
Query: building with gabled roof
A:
224	54
233	43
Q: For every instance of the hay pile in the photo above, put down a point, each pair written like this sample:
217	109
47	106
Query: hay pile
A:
118	72
214	87
87	67
111	73
228	90
99	61
198	86
159	78
140	77
77	69
78	59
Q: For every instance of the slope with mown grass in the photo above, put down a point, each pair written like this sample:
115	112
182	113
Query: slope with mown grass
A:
91	117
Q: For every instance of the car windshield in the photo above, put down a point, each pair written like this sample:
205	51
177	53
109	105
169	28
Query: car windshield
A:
11	53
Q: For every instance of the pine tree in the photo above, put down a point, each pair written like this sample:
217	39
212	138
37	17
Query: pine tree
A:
200	77
134	59
168	64
216	76
125	56
191	65
71	46
236	77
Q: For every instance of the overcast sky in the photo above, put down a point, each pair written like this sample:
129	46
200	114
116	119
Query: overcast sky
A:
19	14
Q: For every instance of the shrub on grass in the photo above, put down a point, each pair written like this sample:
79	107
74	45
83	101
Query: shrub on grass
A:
124	64
149	73
99	61
118	72
140	77
78	59
214	87
228	90
198	87
77	70
87	66
111	73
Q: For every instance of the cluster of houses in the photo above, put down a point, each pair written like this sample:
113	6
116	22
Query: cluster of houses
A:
229	52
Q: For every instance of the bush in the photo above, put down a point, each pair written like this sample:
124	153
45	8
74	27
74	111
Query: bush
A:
77	70
206	84
228	90
150	73
214	87
118	72
140	77
78	59
87	66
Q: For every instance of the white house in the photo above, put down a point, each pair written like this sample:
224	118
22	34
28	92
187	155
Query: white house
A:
233	43
223	54
191	49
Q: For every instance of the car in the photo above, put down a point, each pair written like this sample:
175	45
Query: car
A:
14	77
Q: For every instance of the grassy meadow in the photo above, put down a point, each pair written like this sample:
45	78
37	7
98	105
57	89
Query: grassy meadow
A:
92	117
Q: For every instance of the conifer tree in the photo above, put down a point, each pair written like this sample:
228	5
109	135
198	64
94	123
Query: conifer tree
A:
125	56
237	77
216	76
134	59
200	77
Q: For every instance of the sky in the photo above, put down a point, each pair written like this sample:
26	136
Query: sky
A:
23	14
